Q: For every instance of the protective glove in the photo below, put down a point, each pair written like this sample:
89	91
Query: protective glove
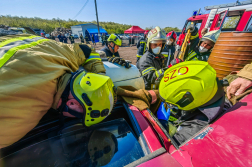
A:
193	28
161	75
120	61
175	61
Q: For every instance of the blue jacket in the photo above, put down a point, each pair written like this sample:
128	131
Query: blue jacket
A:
60	38
64	39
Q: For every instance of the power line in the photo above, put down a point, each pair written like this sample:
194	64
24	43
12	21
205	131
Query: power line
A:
81	9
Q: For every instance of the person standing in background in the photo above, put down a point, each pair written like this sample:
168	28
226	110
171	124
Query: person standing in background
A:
60	38
93	39
64	39
71	38
86	39
82	38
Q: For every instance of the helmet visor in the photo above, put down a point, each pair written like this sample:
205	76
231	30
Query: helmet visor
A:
95	94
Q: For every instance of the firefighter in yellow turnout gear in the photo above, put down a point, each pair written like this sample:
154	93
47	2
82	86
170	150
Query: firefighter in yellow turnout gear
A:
38	74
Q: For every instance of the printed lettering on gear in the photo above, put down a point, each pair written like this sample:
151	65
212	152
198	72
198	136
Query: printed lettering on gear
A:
176	72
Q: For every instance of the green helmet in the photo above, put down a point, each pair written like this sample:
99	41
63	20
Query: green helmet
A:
96	94
156	35
211	36
189	85
114	38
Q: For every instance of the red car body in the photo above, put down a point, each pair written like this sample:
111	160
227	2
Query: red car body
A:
226	142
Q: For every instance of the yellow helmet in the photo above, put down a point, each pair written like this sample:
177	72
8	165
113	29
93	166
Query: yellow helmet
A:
190	84
96	93
114	38
156	35
102	147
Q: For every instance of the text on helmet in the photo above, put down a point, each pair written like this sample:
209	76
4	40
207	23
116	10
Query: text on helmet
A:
174	73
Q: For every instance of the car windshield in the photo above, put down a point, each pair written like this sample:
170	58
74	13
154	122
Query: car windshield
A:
111	144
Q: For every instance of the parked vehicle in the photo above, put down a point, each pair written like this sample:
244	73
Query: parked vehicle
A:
47	35
138	138
75	36
38	31
17	29
227	17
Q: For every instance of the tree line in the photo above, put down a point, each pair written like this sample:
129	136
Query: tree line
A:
49	25
167	29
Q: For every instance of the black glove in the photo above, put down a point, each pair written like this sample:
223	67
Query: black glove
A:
161	74
164	69
120	61
175	61
193	28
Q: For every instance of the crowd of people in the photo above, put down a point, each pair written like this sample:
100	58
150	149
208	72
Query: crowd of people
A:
64	38
51	79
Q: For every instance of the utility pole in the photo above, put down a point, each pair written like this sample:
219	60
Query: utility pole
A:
97	21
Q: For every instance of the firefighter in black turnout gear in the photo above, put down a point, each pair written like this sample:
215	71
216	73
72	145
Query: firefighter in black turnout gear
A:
169	48
82	38
200	49
151	64
71	38
141	46
112	46
86	39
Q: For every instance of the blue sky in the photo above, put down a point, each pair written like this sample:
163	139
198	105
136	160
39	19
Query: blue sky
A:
144	13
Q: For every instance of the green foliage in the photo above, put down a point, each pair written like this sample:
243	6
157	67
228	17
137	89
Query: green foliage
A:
149	28
168	29
49	25
231	22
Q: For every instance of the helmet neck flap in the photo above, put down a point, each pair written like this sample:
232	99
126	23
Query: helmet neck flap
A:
64	107
84	89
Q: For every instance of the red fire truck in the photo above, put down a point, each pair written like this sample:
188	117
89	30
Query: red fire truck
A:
227	17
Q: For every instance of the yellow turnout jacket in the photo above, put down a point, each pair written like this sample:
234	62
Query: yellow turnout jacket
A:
33	74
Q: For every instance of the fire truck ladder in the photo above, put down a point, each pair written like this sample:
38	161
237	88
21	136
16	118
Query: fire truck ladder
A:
228	5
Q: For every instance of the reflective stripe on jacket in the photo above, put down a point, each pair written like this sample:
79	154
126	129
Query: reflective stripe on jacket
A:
141	46
197	56
93	56
192	52
71	38
33	74
149	65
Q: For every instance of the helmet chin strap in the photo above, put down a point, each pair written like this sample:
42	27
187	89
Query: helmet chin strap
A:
63	107
113	48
